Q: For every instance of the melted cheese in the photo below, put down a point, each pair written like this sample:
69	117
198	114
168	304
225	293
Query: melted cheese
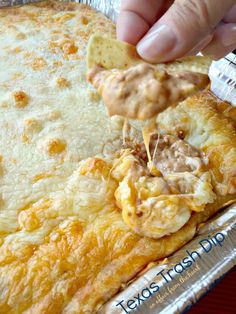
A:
49	122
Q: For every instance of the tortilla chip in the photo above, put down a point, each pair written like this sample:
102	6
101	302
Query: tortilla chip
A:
198	64
111	53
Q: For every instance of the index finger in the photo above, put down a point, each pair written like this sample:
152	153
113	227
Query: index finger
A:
136	18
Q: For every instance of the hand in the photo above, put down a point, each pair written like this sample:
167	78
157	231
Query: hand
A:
164	30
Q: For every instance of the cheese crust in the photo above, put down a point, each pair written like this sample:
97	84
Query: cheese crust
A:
64	245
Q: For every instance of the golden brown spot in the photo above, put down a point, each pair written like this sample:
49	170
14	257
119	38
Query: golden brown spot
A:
68	36
94	165
185	119
28	54
20	36
52	44
56	31
28	220
84	20
16	50
21	99
56	146
17	75
38	63
57	63
25	138
65	17
1	205
69	48
31	125
53	115
1	168
4	104
94	96
97	163
73	57
41	176
62	82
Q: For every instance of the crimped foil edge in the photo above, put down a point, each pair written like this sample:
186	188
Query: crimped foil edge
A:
186	288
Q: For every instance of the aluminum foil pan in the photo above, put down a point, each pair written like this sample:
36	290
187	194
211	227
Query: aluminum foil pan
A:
10	3
171	287
175	284
223	77
110	8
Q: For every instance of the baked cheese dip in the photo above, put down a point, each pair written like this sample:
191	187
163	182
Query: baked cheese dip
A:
87	201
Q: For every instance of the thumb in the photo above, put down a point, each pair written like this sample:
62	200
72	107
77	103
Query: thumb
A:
181	28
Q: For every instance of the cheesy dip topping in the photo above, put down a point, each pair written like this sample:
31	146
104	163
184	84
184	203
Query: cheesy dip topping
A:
158	202
142	91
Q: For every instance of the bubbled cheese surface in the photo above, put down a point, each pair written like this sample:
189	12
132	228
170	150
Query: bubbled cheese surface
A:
50	119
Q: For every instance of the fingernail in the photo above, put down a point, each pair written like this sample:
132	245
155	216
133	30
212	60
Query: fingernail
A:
157	43
230	37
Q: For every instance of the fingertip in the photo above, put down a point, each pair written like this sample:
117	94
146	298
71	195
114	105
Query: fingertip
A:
231	15
158	44
221	51
223	42
180	30
131	27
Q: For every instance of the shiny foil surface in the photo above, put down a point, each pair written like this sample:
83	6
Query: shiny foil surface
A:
169	286
223	77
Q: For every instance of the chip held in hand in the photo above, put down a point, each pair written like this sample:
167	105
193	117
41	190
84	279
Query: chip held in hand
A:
135	89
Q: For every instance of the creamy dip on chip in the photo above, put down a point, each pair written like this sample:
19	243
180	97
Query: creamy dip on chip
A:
142	91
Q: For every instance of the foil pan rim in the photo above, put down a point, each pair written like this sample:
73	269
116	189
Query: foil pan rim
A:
200	278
